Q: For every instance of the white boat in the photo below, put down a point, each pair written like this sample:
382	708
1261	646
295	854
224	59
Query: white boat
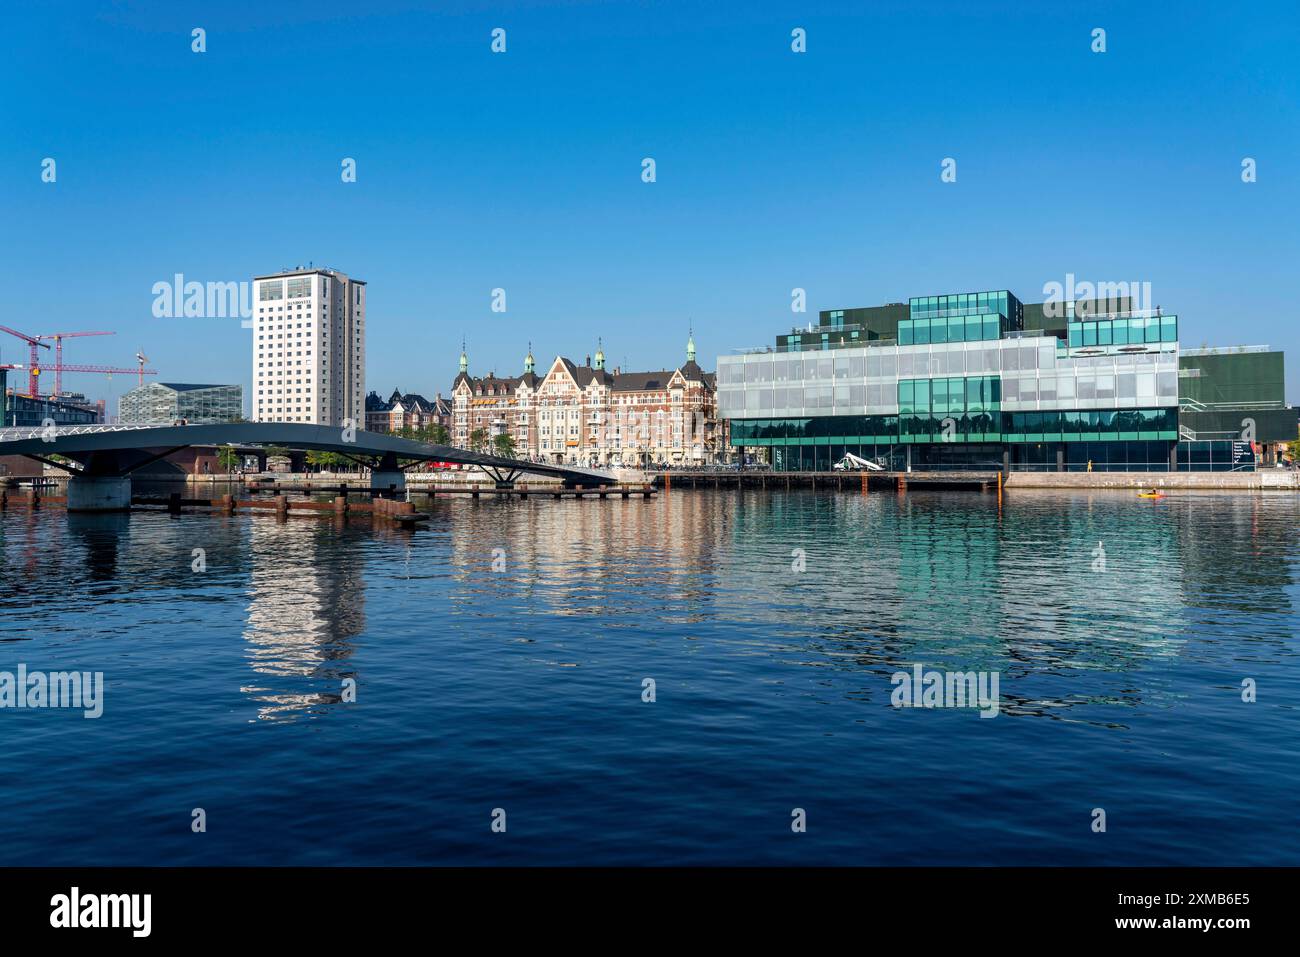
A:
856	463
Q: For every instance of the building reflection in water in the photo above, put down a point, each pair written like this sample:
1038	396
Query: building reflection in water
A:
306	604
608	559
1045	589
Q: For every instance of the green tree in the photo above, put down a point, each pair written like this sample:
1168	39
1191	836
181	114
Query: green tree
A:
504	445
478	440
324	460
229	458
435	433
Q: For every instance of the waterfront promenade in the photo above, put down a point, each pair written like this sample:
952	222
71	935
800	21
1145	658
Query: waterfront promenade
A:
1286	480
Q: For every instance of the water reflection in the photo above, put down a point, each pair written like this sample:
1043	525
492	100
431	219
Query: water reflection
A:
848	587
1039	588
306	602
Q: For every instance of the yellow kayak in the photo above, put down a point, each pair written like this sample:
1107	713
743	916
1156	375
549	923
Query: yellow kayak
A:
1151	494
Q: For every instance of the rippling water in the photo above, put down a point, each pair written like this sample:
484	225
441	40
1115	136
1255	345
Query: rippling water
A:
521	688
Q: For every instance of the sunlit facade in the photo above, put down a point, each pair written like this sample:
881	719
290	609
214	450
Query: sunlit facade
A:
965	381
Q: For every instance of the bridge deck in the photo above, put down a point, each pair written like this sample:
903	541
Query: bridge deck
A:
120	449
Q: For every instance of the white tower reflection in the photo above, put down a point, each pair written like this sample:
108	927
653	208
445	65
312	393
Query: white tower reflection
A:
304	609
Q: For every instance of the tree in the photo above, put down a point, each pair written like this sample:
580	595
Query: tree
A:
477	440
324	460
439	434
504	444
228	458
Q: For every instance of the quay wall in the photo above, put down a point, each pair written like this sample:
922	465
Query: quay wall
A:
1263	480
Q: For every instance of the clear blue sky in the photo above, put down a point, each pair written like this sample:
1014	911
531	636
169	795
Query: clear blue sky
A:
522	170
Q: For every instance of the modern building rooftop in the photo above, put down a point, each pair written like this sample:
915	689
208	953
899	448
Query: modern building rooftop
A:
307	270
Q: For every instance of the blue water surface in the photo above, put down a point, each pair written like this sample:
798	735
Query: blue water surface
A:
770	623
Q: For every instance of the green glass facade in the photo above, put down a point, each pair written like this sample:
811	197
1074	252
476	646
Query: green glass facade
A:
998	301
1226	392
970	378
952	329
1123	332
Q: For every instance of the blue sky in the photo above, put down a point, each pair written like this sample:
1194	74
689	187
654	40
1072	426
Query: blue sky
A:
522	170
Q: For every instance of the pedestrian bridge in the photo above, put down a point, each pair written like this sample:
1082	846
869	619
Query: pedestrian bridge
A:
104	456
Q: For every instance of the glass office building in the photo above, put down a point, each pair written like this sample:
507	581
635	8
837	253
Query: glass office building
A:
169	401
958	381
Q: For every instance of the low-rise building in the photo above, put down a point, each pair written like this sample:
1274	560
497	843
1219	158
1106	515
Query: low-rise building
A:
25	411
406	412
170	401
589	415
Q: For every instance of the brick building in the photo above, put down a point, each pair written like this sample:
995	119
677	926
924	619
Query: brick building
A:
589	415
406	411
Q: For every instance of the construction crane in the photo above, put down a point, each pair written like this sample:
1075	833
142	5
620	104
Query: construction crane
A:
141	358
58	338
109	369
34	367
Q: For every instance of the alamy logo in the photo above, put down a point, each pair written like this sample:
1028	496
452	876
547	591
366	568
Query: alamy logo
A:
198	300
1091	298
946	689
56	689
102	910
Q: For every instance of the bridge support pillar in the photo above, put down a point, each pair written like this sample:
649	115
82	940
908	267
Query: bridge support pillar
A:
99	493
386	475
395	480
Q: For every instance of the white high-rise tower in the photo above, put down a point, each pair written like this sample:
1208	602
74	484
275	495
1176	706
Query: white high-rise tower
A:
309	348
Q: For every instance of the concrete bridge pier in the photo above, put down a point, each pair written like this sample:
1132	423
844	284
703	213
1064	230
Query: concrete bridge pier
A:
386	475
99	493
